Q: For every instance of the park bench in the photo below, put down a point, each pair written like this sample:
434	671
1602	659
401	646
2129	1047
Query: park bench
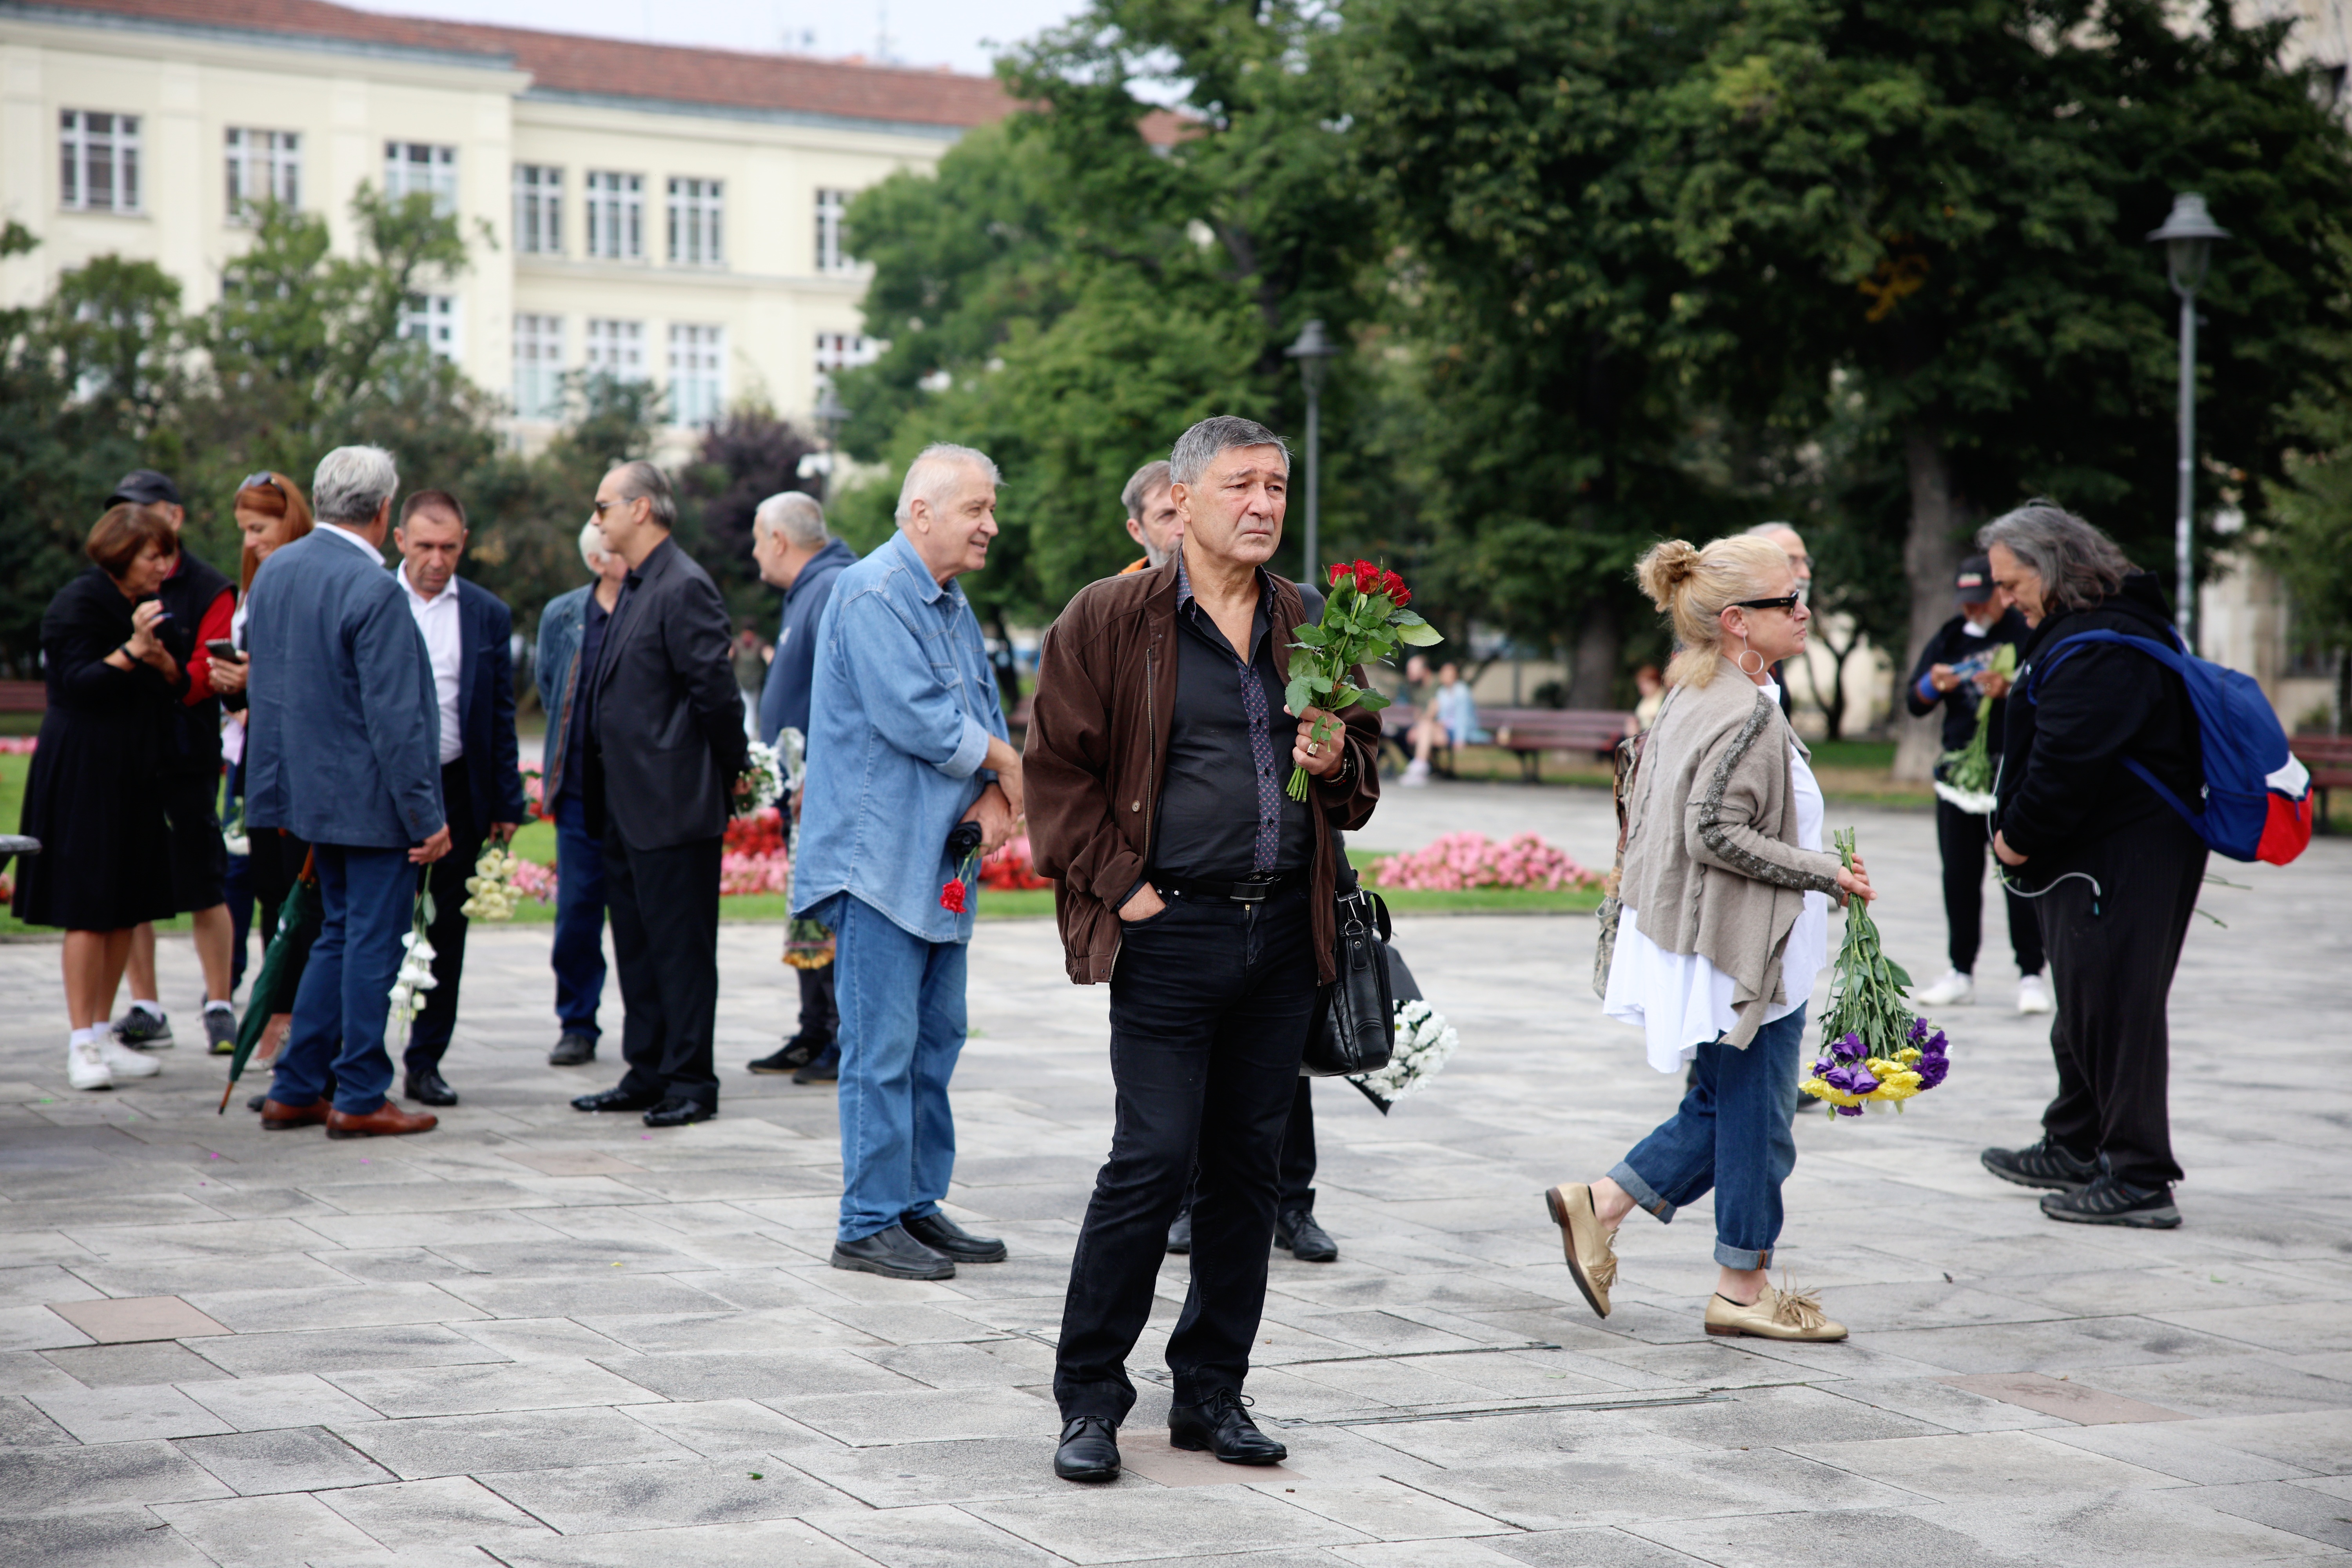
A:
1531	732
2329	758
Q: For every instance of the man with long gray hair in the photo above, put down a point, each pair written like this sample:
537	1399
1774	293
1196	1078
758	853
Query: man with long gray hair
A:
343	750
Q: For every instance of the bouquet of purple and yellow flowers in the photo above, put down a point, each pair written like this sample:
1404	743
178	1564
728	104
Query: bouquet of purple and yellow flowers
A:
1875	1049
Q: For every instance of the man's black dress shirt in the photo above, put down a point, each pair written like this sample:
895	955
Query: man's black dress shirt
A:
1223	812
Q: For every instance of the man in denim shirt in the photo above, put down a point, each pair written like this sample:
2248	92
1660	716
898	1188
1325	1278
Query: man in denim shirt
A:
907	739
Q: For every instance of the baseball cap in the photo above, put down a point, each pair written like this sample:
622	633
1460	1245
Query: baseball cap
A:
145	487
1973	584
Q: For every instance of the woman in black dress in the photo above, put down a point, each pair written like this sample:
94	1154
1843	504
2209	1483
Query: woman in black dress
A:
93	797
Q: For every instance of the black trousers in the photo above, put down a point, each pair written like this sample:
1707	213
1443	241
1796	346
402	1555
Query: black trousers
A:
819	1015
664	906
2112	950
428	1037
1296	1172
1208	1009
1964	840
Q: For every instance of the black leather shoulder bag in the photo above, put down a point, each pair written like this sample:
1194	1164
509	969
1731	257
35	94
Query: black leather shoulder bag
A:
1357	1028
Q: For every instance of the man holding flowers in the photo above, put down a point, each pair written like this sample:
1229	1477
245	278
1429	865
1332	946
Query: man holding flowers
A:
1188	877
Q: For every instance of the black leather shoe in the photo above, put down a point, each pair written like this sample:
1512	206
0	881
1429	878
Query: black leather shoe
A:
1089	1450
2038	1164
798	1052
824	1069
1221	1425
1307	1242
573	1050
951	1240
679	1112
615	1100
1180	1232
893	1254
429	1088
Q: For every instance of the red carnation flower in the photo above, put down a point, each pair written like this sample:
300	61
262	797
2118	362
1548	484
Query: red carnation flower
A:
951	895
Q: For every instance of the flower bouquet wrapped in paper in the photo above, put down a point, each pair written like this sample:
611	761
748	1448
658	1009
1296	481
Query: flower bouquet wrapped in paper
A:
1364	619
1965	777
1875	1050
1424	1042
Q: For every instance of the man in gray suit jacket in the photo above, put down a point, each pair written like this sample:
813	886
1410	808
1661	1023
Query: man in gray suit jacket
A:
344	749
666	742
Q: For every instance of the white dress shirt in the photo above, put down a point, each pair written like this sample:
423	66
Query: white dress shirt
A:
438	618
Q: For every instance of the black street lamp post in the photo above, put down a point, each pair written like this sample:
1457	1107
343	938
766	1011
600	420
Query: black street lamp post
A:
2188	236
1313	350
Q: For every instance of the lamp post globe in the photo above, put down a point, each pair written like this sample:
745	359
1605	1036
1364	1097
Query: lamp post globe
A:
1314	348
2188	237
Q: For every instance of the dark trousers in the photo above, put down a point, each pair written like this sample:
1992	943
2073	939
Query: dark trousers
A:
665	909
1208	1010
428	1037
820	1012
1296	1172
1964	838
337	1035
579	955
2113	950
274	867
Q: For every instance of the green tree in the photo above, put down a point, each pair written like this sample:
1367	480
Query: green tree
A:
2308	540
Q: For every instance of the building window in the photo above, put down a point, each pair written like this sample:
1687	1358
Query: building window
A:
411	166
695	210
263	166
617	349
539	209
431	320
831	255
698	360
617	215
100	159
840	350
538	366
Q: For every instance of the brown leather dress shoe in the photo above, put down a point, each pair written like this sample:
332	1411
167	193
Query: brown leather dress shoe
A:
386	1120
276	1118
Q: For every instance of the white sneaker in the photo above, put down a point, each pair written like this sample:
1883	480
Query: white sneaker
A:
1955	989
2033	997
86	1066
123	1062
1416	773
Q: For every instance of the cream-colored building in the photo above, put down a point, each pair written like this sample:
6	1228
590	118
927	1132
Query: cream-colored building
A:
670	215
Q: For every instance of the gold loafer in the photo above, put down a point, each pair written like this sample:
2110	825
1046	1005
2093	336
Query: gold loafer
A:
1591	1253
1782	1314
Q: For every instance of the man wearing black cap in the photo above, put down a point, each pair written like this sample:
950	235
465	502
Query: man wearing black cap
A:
1953	674
199	602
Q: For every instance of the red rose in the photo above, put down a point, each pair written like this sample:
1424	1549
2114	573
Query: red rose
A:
1367	578
951	895
1393	586
1338	569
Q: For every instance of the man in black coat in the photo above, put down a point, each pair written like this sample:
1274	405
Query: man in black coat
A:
665	743
1954	673
468	633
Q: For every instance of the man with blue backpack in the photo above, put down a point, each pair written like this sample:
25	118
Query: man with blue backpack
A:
2123	761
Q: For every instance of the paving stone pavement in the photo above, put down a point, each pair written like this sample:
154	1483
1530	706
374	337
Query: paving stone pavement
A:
546	1341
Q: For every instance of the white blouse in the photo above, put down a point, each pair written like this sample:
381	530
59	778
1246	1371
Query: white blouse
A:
1680	1000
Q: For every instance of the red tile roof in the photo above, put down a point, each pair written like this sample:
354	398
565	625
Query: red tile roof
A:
614	67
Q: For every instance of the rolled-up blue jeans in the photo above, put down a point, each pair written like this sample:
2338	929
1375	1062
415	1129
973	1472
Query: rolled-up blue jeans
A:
902	1028
1733	1132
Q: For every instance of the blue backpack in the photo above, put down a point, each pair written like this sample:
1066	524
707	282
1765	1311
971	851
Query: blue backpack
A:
2257	799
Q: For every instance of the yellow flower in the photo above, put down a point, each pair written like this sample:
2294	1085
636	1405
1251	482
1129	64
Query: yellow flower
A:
1821	1090
1910	1053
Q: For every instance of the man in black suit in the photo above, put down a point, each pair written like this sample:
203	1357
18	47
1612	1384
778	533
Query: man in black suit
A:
468	638
666	742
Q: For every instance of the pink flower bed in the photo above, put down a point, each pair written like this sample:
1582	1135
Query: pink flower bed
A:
768	872
534	881
18	745
1461	860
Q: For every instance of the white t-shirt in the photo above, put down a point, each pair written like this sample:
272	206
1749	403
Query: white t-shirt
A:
1680	1000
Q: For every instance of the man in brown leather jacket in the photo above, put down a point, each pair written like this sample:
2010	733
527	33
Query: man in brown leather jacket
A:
1159	749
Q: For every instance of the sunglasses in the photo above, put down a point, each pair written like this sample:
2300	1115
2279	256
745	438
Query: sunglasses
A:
264	480
598	508
1787	602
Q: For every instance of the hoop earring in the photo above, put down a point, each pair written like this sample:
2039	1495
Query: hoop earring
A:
1744	654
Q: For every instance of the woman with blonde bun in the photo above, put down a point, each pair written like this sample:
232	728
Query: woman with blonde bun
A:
1724	927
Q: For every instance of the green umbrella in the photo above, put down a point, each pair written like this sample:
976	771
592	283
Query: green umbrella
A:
274	984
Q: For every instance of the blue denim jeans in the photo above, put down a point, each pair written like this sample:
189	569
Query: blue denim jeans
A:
902	1028
1734	1132
369	896
579	956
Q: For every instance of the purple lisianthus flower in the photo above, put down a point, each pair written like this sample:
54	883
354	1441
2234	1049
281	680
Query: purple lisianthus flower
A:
1935	1045
1847	1110
1824	1065
1852	1046
1931	1069
1918	1031
1852	1080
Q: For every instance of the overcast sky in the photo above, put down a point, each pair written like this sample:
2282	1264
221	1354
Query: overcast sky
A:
964	34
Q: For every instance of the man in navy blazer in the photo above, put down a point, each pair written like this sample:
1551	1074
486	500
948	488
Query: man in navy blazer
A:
342	741
468	636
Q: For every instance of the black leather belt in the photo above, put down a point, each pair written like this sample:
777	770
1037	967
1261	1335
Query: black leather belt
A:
1248	891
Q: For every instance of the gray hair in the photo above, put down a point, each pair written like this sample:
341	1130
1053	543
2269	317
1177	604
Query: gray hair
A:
934	471
1152	476
352	483
794	514
643	481
1767	530
593	544
1203	443
2078	565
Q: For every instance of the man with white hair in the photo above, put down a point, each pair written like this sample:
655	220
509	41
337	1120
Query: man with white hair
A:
1151	518
794	553
906	742
1793	546
343	750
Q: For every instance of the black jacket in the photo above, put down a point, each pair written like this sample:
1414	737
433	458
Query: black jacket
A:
485	703
1951	644
192	588
666	720
2062	782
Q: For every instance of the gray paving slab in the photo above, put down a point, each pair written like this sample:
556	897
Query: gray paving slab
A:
480	1445
118	1538
594	1500
454	1512
717	1427
107	1475
762	1543
288	1459
291	1530
126	1415
1592	1549
130	1365
929	1537
1125	1524
544	1384
345	1349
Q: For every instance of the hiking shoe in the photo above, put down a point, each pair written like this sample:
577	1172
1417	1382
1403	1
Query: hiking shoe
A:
220	1030
825	1069
2108	1201
147	1030
2040	1165
1955	989
798	1052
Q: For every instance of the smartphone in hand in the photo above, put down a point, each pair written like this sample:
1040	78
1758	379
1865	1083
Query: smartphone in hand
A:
224	650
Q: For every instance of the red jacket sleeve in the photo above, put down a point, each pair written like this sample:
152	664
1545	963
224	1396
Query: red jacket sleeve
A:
212	627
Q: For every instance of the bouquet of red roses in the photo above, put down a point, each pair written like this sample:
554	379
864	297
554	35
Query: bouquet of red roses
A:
1363	621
